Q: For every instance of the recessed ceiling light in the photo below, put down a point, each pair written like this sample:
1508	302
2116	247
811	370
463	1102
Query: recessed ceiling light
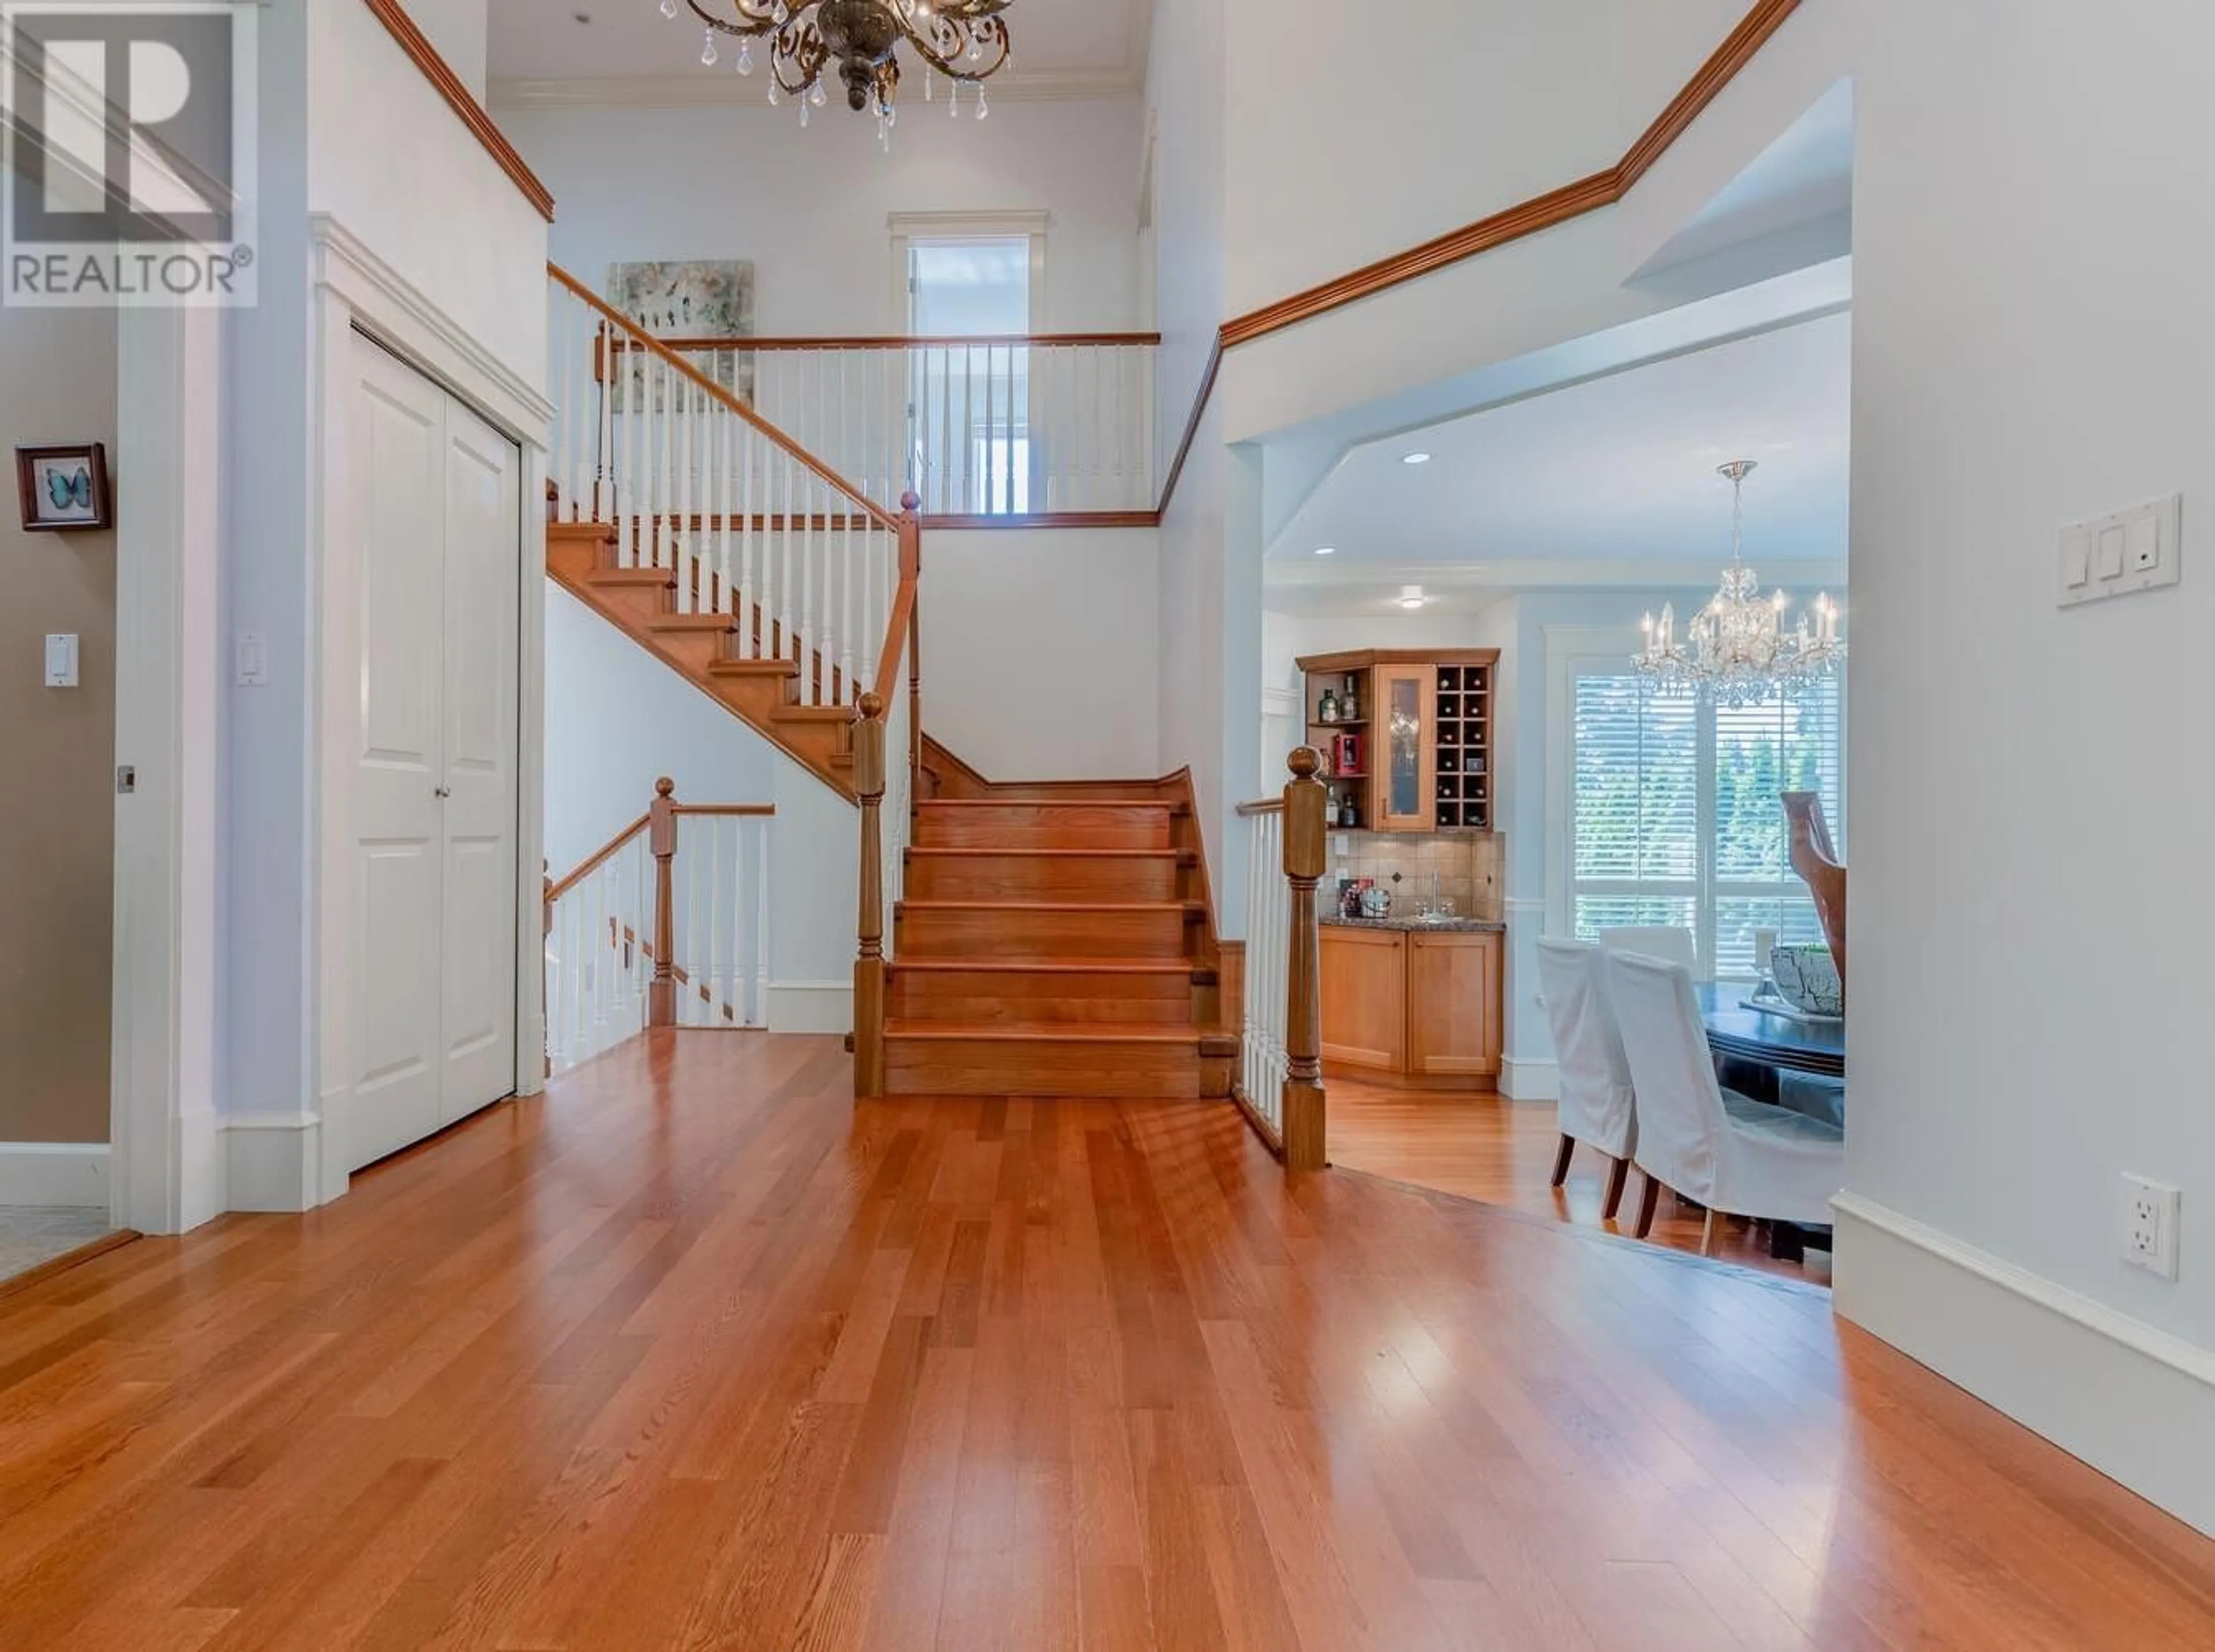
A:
1326	551
1411	596
1414	458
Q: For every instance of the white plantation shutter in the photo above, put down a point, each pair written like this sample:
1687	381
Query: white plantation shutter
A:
1675	817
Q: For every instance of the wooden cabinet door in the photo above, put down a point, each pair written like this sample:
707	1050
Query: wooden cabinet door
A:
1364	997
1453	1003
1403	754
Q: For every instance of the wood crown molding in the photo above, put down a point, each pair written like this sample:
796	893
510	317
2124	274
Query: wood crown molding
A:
436	69
1556	206
1546	211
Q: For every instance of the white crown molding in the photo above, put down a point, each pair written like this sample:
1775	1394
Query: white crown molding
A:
715	91
1382	580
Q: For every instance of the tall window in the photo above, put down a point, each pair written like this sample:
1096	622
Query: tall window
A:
969	406
1675	818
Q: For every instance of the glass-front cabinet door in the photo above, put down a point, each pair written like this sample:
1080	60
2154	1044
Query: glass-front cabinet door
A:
1406	777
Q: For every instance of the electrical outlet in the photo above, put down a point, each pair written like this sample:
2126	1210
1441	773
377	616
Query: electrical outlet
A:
2150	1216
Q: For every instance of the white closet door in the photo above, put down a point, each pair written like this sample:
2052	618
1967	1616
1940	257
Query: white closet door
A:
399	421
483	493
439	494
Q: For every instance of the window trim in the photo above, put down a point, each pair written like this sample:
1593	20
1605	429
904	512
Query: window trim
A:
906	228
1574	651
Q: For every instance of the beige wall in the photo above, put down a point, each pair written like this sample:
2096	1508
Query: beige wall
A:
56	746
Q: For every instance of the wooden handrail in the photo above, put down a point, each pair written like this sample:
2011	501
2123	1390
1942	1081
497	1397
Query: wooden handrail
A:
1264	806
919	342
721	397
745	809
598	858
448	84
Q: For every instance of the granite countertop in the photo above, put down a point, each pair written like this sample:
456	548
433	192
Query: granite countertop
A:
1449	925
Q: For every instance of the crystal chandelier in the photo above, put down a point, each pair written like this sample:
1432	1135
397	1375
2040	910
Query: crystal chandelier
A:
1736	649
965	40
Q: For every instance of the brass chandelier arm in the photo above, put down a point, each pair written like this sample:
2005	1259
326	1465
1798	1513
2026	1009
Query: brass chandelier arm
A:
752	22
984	30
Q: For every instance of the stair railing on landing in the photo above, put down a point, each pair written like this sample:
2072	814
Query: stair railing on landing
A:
1009	424
665	926
688	478
1279	1085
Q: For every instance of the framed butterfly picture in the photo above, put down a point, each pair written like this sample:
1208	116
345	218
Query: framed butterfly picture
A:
64	487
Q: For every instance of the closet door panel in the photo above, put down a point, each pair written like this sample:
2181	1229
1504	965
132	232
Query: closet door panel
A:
482	622
398	426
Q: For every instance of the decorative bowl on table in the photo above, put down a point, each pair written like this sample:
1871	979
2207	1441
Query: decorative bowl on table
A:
1808	976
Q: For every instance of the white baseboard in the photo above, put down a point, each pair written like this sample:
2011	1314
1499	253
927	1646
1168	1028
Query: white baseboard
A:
2134	1402
51	1173
273	1162
811	1006
1530	1080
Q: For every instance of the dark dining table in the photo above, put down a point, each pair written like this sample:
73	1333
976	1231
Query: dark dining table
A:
1755	1036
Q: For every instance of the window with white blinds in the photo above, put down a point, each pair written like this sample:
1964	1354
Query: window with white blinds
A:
1675	816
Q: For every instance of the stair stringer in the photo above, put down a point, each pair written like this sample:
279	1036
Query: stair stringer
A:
640	602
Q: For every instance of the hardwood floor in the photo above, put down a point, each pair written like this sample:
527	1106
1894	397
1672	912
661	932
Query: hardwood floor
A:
1488	1148
695	1352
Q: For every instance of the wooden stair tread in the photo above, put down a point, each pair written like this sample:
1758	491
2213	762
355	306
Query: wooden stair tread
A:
1046	1032
1026	853
1046	966
648	577
775	667
692	622
1050	802
1046	905
813	714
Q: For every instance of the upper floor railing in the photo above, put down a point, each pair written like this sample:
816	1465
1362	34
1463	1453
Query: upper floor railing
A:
984	426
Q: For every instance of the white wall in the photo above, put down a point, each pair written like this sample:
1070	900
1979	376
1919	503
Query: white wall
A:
456	30
1500	100
393	163
809	208
1041	651
617	719
2030	969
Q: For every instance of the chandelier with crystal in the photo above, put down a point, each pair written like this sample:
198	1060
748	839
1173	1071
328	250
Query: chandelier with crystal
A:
1736	650
858	40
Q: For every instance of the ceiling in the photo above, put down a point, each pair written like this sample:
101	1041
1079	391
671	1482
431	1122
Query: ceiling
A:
1609	481
1062	47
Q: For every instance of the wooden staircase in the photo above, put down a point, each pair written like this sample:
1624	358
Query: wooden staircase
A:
1054	940
763	692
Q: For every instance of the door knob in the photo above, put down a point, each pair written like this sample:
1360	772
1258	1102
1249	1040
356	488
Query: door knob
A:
440	791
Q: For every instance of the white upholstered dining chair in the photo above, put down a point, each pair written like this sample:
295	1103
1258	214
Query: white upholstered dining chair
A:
1595	1103
1733	1154
1664	941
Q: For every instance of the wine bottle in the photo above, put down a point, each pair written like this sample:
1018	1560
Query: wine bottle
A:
1348	707
1328	710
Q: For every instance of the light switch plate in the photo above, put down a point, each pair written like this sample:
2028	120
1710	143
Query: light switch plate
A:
2123	552
253	660
61	659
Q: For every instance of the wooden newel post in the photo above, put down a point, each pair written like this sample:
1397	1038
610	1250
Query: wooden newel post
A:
661	839
1305	799
869	962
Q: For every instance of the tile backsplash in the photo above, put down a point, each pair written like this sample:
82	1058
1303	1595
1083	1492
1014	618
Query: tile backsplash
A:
1468	868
